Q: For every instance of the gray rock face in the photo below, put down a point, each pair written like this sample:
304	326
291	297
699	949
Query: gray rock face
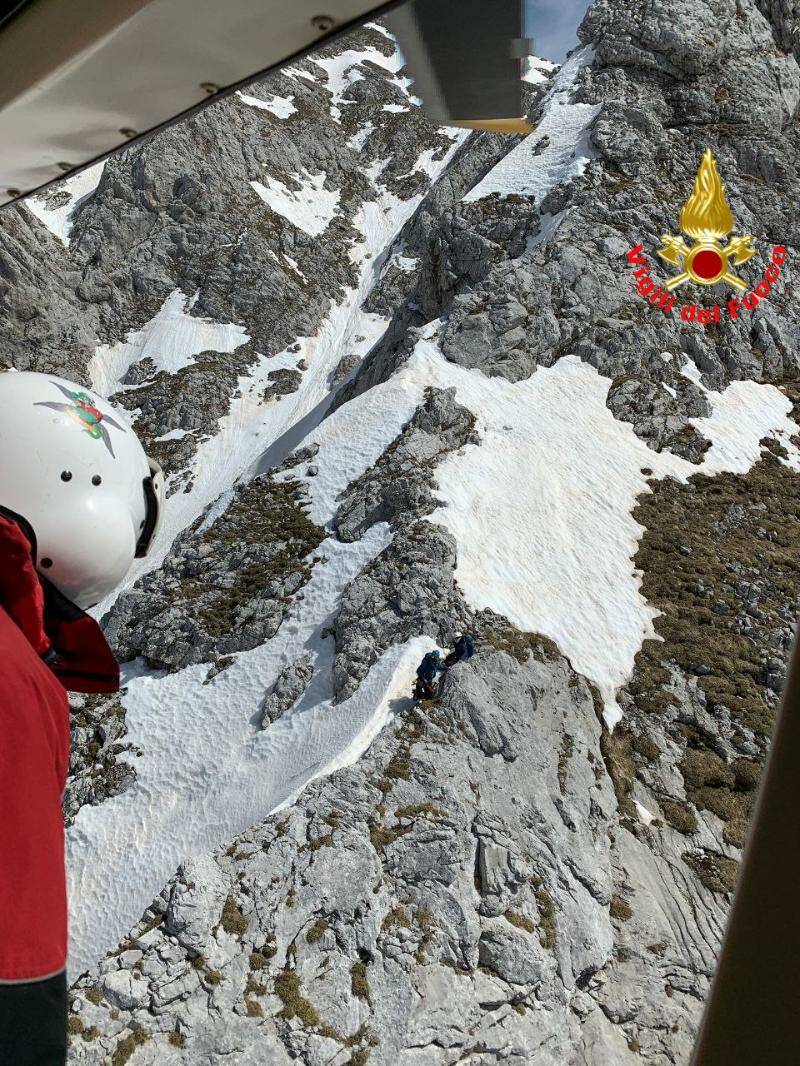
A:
397	489
192	401
660	411
446	896
225	588
282	382
287	690
407	591
98	739
514	298
53	335
180	212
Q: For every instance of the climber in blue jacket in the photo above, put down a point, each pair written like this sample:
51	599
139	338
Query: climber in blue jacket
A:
427	671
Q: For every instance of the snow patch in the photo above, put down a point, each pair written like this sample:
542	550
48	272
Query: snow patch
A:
374	171
538	70
310	208
298	72
174	434
429	161
405	263
293	264
59	219
354	437
171	339
533	170
342	72
741	416
280	106
370	217
360	138
379	29
548	227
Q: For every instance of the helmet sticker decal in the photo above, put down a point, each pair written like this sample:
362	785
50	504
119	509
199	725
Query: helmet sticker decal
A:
82	410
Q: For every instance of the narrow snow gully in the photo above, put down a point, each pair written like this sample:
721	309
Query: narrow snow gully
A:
207	772
254	435
529	170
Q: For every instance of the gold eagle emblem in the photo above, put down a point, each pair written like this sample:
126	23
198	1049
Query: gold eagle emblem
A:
708	219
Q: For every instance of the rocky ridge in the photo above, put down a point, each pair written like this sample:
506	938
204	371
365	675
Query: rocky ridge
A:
422	916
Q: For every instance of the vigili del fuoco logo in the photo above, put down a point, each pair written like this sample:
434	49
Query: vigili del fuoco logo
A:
711	259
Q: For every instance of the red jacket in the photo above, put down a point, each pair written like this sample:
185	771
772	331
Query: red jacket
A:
37	625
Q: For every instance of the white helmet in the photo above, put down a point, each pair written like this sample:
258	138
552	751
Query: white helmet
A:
75	472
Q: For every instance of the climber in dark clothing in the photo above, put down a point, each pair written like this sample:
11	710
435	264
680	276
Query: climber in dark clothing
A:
464	649
431	665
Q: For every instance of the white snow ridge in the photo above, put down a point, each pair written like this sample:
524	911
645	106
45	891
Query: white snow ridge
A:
280	106
67	199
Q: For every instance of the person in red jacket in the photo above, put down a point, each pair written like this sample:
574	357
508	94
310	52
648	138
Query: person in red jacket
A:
79	500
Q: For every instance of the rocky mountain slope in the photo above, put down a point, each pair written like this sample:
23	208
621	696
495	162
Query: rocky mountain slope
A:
403	385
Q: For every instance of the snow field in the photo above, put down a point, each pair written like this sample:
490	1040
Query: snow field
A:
566	126
541	508
171	340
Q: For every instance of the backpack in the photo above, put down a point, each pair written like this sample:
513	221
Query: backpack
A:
465	647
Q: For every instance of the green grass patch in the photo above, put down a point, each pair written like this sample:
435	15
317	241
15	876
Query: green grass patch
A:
520	921
708	546
74	1025
679	815
317	931
358	980
717	872
295	1005
232	920
396	917
564	755
127	1045
547	919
